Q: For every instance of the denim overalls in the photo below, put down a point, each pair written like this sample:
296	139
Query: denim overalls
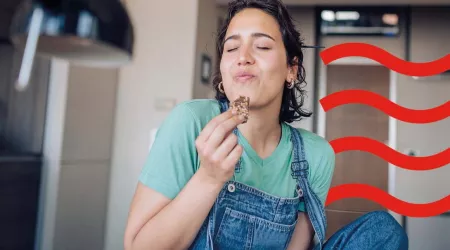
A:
244	217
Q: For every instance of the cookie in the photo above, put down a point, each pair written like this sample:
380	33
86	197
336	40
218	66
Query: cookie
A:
240	106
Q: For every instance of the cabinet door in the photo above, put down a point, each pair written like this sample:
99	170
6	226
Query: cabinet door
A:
356	120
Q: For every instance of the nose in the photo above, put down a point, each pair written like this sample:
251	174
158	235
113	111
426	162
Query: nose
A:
245	57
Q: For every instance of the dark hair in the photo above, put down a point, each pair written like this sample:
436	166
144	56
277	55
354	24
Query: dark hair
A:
291	104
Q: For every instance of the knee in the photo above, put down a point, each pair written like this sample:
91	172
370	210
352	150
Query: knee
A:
389	228
382	217
384	220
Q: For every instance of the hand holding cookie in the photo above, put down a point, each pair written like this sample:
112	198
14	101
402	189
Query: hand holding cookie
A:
218	146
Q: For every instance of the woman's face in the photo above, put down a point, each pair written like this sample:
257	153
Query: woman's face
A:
254	60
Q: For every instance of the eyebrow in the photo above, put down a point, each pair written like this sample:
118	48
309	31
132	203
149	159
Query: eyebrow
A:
235	37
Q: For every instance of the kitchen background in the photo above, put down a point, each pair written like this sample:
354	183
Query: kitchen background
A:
73	143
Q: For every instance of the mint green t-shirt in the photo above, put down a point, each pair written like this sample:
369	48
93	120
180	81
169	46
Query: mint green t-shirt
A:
173	158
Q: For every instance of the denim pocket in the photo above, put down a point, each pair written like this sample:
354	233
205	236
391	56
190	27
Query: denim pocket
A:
238	230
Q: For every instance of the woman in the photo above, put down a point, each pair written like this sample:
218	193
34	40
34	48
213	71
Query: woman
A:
216	180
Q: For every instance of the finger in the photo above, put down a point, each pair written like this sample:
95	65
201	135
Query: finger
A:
226	147
234	156
209	128
222	130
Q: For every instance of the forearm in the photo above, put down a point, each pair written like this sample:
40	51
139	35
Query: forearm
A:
303	234
177	224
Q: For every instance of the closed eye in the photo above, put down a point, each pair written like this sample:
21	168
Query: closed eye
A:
230	50
264	48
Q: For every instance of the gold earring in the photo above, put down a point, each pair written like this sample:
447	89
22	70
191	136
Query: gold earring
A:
221	90
291	84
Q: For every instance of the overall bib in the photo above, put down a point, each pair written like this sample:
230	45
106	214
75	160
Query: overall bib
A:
244	217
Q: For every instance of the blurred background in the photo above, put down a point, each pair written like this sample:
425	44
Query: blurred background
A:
72	144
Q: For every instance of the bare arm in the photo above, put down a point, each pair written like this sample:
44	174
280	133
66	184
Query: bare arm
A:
158	223
303	234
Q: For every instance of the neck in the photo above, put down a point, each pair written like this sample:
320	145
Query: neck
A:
263	130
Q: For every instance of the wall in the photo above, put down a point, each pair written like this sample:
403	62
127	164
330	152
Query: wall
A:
430	40
161	75
428	139
207	24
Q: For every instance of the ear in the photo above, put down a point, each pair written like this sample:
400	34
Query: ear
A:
292	70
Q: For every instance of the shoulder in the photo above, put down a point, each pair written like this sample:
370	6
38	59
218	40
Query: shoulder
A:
319	153
199	104
199	110
191	114
188	118
316	145
321	160
173	157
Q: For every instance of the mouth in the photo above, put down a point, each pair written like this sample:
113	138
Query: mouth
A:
243	77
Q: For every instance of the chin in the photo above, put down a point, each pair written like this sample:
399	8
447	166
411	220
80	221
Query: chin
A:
234	96
255	102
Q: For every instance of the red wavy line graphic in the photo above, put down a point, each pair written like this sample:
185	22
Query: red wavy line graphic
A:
388	154
388	107
388	201
377	54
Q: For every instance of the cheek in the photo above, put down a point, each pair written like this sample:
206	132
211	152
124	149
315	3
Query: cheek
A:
274	68
225	65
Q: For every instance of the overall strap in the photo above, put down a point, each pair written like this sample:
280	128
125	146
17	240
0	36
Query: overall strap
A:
300	169
223	108
299	165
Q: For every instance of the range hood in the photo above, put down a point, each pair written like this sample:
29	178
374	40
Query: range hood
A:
96	33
